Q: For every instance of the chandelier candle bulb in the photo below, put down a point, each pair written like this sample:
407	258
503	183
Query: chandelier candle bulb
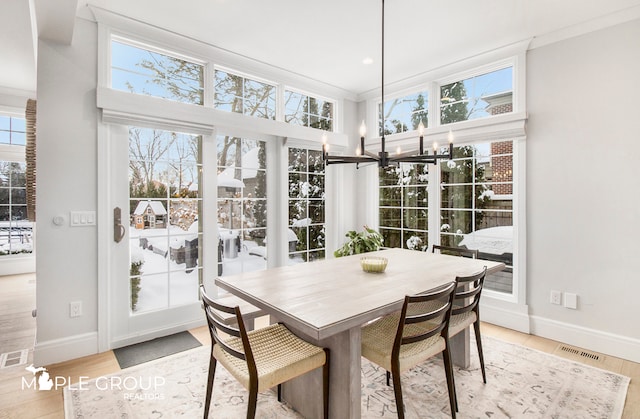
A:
363	133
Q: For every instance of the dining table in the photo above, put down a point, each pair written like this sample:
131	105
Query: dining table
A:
326	302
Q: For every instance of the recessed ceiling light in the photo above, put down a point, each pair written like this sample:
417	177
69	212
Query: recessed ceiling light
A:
367	61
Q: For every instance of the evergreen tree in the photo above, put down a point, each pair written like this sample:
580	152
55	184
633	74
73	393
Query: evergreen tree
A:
420	113
454	101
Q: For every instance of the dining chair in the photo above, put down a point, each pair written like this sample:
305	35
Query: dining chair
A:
259	359
402	340
466	309
455	251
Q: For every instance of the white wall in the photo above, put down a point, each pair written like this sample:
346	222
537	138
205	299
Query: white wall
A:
583	199
66	160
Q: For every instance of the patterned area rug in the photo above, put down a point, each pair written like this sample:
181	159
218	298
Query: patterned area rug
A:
521	383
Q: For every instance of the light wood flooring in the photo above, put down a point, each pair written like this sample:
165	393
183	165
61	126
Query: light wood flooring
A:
17	331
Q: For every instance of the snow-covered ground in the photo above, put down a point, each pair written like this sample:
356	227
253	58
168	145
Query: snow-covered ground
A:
164	283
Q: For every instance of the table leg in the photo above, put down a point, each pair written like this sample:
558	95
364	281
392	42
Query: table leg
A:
460	348
305	392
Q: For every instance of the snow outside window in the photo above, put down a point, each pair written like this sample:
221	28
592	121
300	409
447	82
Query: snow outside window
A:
306	233
404	206
165	200
242	205
476	194
16	232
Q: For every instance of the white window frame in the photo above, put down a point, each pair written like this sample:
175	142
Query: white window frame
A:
26	262
509	310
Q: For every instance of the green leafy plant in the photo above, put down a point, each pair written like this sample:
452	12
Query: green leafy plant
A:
365	241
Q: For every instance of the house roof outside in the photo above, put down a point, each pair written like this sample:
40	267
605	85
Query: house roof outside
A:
156	207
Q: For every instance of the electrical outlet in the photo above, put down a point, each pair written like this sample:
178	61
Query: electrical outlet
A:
556	297
75	309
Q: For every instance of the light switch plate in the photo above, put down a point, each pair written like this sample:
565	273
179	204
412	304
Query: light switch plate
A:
82	218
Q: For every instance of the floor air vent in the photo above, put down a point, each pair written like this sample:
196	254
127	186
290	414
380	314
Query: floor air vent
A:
580	352
11	359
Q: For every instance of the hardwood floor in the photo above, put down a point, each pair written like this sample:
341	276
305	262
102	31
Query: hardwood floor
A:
17	329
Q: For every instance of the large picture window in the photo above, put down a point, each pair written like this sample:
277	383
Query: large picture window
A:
242	205
306	232
15	230
404	206
477	205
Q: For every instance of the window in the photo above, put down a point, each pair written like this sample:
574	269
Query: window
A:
306	205
477	205
405	113
12	130
404	206
308	111
242	205
138	70
234	93
165	200
15	230
477	97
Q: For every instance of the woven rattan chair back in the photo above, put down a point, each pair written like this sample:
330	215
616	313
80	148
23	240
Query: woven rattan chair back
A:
455	251
423	316
468	290
418	332
281	354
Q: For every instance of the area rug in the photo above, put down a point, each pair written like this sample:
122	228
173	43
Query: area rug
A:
139	353
521	383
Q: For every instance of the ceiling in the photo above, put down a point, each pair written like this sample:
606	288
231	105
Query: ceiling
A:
324	40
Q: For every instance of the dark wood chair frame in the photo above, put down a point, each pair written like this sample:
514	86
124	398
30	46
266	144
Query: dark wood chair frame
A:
442	329
217	322
455	251
467	298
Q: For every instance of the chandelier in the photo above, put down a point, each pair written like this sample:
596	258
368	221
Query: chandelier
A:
383	158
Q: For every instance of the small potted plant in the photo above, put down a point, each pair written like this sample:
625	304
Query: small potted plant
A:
365	241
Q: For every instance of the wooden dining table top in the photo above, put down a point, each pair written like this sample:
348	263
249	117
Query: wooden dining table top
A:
329	296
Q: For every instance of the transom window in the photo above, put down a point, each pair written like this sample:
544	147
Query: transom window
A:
405	113
306	234
234	93
477	97
142	71
308	111
12	130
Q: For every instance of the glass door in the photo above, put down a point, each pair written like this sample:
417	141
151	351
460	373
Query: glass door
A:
157	266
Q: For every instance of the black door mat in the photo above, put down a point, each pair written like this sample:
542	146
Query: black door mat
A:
131	355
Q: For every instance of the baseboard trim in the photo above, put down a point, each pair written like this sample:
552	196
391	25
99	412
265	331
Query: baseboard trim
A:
505	314
64	349
583	337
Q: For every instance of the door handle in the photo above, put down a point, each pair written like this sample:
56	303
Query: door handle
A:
118	228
